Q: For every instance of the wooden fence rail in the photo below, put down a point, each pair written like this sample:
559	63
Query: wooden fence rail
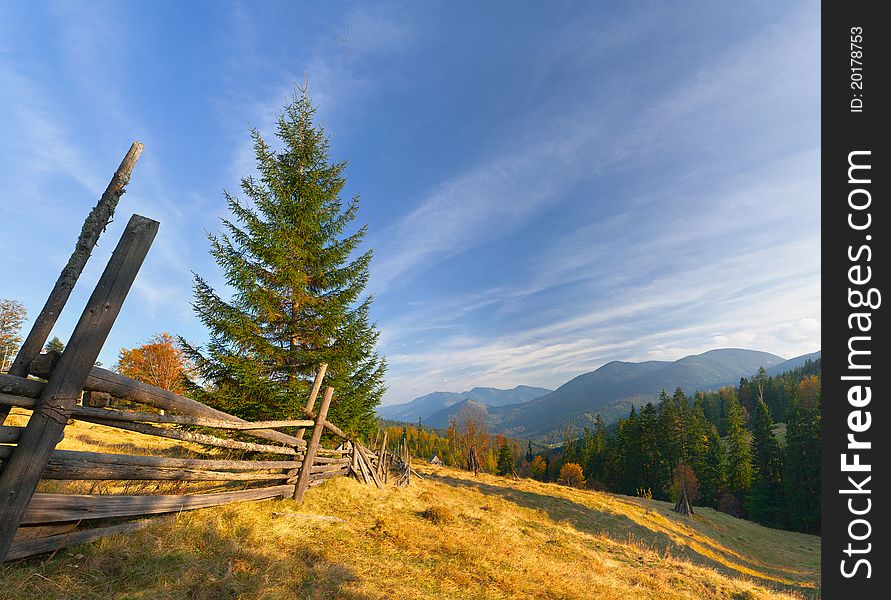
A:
34	523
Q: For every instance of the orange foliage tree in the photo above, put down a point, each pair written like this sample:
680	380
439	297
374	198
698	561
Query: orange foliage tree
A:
571	474
160	361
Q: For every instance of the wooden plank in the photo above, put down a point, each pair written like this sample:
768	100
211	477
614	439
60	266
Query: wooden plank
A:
14	389
382	456
327	468
328	474
332	453
93	226
30	532
371	471
313	446
21	473
108	382
51	543
10	434
311	402
55	508
144	417
20	392
77	458
188	436
142	473
333	461
360	460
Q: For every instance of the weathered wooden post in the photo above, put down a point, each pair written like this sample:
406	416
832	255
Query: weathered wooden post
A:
313	446
46	426
382	456
311	402
93	226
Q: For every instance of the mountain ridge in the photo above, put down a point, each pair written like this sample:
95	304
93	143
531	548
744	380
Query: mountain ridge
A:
613	388
424	406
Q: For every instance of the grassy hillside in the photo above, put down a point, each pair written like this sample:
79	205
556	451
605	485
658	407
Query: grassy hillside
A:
448	536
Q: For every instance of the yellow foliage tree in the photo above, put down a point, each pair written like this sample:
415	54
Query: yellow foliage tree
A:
537	467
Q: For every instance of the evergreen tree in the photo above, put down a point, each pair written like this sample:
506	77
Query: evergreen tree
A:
696	438
766	503
655	476
54	344
505	462
739	452
298	280
802	466
713	473
597	459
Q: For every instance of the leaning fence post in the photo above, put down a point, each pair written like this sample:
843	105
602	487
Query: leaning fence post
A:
46	426
316	386
313	446
94	225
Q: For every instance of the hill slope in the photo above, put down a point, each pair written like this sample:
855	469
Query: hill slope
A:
427	405
449	536
793	363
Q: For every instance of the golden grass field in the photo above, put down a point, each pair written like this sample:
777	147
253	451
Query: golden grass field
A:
448	536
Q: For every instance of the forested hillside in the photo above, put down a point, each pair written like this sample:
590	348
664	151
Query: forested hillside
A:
722	445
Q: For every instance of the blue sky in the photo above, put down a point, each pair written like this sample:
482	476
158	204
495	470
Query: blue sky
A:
547	186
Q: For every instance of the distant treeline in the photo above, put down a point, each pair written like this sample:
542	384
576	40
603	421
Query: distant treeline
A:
722	444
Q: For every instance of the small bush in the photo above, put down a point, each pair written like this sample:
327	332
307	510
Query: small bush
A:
571	474
438	515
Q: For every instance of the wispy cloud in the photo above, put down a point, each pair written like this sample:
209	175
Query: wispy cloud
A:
703	257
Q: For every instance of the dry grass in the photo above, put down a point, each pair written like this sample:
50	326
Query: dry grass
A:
449	536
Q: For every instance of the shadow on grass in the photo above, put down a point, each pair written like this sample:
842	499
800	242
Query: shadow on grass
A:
623	529
207	562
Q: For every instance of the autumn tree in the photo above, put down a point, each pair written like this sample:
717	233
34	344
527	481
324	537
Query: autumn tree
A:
683	477
12	316
473	434
571	475
538	467
160	362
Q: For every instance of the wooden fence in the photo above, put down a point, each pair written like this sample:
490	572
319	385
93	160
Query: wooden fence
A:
274	464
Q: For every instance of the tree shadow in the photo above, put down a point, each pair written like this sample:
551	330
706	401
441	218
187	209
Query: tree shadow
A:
621	528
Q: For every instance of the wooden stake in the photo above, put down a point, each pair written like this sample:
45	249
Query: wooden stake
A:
47	424
310	404
313	446
93	226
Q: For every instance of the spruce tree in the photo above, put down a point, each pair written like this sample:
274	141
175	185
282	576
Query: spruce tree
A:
739	452
766	503
55	344
290	253
802	466
713	473
505	461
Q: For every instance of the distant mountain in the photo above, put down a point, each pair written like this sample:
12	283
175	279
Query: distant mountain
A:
440	419
792	363
612	389
425	406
